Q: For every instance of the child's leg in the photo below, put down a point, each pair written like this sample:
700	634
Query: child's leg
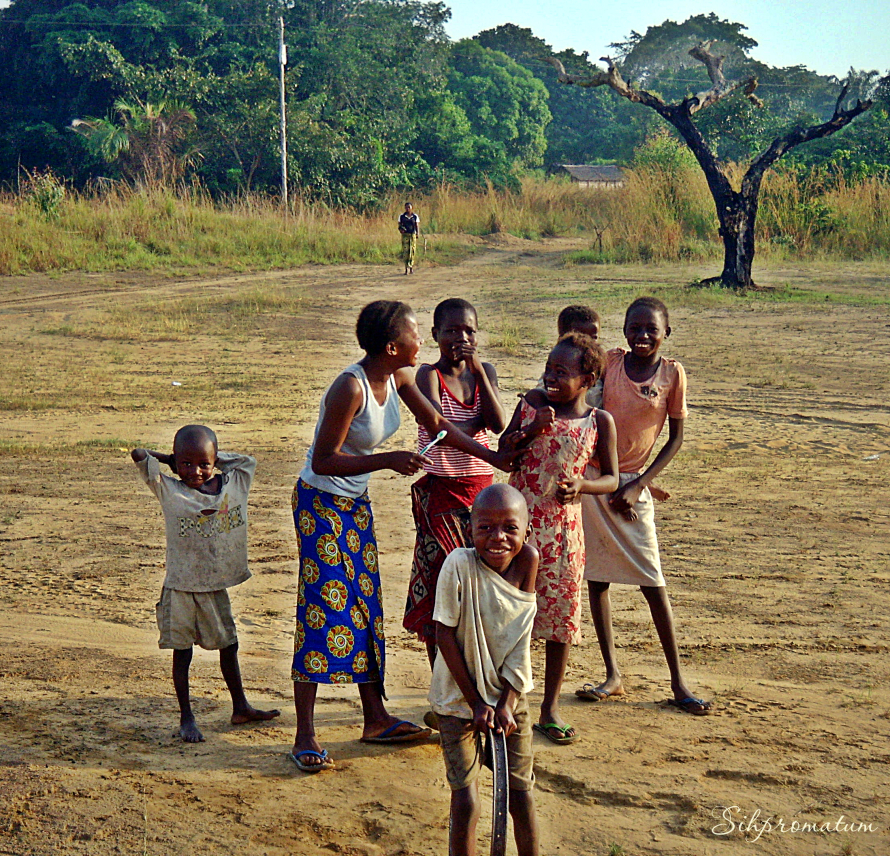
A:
464	817
601	610
188	728
525	822
556	657
663	618
378	720
241	710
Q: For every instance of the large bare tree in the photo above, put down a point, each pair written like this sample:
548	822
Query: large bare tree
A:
736	208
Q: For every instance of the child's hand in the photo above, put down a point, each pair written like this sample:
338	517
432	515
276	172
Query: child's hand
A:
511	442
506	461
408	463
504	721
483	716
568	489
544	416
625	498
467	352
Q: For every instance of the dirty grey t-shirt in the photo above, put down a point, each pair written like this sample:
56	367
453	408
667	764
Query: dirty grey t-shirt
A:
206	535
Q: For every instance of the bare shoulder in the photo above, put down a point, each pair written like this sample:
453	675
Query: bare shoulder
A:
345	393
404	378
535	397
491	372
527	565
604	420
427	381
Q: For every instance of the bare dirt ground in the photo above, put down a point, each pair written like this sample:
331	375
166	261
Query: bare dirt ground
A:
775	543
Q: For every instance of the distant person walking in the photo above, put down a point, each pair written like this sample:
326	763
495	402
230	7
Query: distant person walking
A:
409	227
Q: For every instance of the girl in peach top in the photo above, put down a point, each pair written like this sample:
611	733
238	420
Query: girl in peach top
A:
642	390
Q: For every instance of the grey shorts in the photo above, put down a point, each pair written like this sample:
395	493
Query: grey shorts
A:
203	618
462	749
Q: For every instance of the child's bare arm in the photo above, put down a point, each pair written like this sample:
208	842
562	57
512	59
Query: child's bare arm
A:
517	437
625	497
494	417
449	650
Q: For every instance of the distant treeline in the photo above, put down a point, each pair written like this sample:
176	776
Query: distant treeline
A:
379	99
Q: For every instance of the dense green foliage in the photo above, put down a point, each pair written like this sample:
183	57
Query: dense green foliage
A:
378	98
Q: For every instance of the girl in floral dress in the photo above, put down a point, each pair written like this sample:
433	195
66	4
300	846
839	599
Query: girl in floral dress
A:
561	435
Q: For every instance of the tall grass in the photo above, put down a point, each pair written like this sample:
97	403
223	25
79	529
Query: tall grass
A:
663	213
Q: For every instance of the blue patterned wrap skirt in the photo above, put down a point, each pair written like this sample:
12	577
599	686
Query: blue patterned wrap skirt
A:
338	637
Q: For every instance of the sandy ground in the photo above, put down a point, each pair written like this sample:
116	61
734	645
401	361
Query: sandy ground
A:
775	543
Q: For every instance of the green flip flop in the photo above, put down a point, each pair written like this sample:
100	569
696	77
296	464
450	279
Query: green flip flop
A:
549	728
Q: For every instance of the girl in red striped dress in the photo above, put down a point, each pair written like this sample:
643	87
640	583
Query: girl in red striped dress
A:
465	391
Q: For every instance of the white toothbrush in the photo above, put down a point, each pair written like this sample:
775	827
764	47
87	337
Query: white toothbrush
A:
440	436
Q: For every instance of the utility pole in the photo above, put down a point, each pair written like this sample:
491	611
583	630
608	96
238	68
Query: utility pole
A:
282	62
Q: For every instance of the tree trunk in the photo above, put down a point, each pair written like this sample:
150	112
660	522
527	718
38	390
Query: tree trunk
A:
737	218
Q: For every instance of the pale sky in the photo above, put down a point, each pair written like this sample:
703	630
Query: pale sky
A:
825	35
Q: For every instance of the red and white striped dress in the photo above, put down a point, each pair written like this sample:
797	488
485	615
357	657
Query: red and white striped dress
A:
441	502
449	462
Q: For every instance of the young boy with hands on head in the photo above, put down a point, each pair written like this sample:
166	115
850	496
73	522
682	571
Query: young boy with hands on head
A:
205	513
484	612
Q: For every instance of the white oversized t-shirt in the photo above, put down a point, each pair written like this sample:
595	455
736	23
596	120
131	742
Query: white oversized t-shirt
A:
206	534
493	621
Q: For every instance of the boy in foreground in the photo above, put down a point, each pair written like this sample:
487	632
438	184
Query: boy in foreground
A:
485	608
206	522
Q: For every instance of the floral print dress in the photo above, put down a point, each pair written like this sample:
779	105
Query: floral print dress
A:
562	449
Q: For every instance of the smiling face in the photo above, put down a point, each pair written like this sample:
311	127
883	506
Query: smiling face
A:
407	346
499	527
195	460
563	379
456	327
645	329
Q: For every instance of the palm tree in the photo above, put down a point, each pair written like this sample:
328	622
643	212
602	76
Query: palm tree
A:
151	141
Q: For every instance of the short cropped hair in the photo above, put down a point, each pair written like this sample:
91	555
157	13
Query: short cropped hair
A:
192	433
452	304
576	314
652	303
592	356
380	323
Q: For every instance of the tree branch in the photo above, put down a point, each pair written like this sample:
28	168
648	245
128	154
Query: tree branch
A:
781	145
611	78
719	87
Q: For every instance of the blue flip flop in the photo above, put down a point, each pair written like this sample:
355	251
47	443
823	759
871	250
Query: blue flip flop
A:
326	762
690	704
387	736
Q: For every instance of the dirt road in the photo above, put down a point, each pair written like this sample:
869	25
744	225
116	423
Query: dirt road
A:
775	544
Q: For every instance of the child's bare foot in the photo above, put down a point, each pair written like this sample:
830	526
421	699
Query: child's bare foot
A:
251	714
189	731
630	515
659	493
607	689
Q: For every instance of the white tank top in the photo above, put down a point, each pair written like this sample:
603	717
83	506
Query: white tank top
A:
370	427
